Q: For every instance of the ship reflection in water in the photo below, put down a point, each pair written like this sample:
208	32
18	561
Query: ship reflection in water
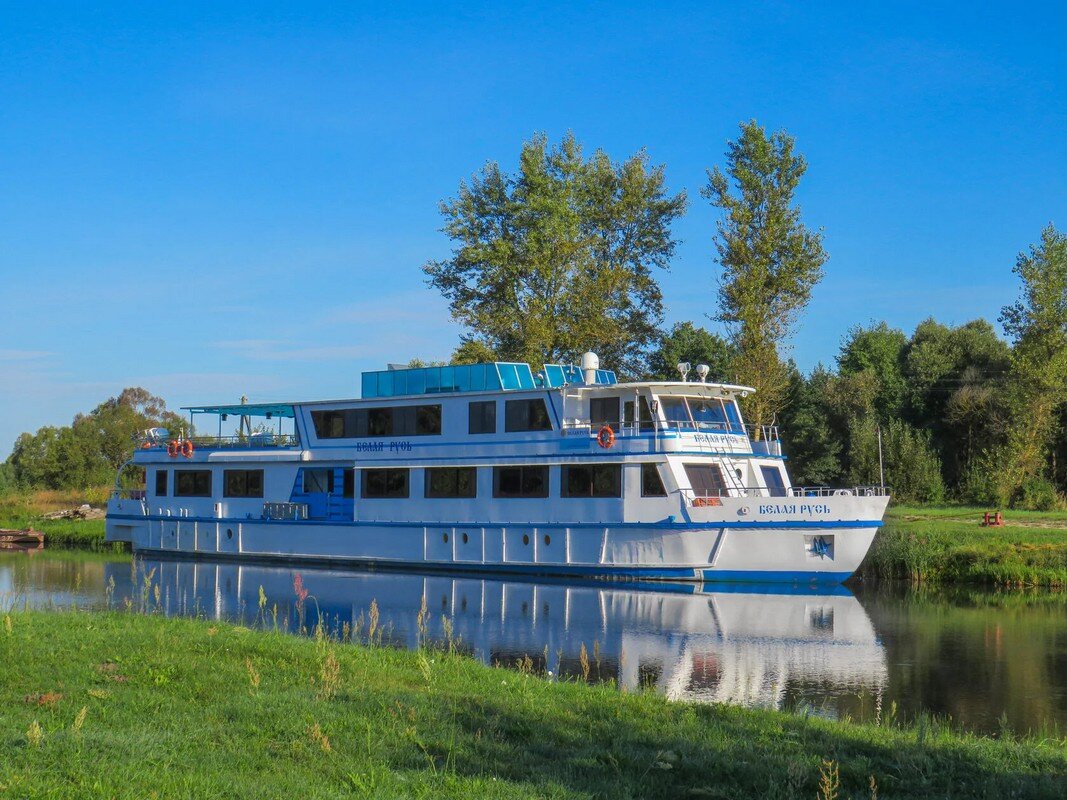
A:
769	646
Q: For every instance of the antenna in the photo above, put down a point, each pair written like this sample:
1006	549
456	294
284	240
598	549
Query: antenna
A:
683	370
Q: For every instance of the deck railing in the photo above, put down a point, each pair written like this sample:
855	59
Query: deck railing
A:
255	441
712	497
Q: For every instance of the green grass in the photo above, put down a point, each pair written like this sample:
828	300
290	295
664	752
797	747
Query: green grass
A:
948	545
26	510
123	705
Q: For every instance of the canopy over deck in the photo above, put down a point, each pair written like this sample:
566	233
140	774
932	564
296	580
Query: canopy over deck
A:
267	410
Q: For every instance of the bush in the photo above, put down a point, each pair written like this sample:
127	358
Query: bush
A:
912	468
1037	494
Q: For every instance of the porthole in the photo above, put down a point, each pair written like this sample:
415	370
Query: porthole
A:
446	538
465	538
548	539
525	538
229	533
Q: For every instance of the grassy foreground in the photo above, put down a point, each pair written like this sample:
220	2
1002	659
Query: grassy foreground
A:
123	705
27	510
948	545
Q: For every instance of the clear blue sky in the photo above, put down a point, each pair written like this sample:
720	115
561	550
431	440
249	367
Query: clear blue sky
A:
210	200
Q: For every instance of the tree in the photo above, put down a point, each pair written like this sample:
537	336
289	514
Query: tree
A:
770	260
813	434
879	350
560	257
1037	324
90	450
687	342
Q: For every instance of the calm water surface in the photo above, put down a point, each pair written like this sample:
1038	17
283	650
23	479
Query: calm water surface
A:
984	659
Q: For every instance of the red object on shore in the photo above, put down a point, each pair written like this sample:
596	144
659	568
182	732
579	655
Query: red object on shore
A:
992	519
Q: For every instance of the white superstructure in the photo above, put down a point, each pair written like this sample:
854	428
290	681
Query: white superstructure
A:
490	467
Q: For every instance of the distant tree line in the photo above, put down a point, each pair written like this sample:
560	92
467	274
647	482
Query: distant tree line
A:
90	450
563	255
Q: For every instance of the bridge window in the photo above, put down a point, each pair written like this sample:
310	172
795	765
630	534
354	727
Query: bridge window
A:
192	483
451	482
772	477
242	483
161	483
526	415
482	416
385	483
708	414
652	481
706	479
520	481
591	480
362	423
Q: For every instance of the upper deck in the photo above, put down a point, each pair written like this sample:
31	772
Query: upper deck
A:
485	411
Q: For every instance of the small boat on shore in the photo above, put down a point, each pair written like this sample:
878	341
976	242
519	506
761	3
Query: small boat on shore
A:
28	539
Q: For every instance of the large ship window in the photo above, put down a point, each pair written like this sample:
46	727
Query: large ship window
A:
242	483
604	411
482	416
385	483
318	481
520	481
707	413
675	410
772	476
451	482
591	480
161	483
652	481
526	415
361	423
192	483
706	479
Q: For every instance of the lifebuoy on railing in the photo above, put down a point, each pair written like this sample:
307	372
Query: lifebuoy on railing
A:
606	437
187	448
700	502
172	448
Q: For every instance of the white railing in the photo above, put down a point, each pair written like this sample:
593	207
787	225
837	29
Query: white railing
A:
712	497
255	441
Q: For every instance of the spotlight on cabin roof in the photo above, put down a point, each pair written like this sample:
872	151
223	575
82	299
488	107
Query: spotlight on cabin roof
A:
702	372
683	370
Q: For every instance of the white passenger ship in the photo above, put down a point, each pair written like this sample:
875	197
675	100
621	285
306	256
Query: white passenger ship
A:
491	467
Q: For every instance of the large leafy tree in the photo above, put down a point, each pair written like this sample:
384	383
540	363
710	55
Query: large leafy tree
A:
687	342
559	257
1037	324
770	260
90	450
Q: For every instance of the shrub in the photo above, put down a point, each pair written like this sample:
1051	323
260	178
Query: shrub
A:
1037	494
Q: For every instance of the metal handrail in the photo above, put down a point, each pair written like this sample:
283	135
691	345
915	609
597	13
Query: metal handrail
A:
690	496
256	440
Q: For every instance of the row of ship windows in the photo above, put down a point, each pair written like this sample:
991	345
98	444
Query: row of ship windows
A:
425	420
585	480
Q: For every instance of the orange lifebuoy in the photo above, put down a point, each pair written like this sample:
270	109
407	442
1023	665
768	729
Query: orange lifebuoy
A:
145	446
172	448
605	437
700	501
187	448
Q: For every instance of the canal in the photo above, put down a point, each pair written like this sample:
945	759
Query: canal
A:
987	661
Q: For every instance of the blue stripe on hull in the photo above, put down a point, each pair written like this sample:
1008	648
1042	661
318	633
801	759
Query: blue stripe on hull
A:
661	525
695	574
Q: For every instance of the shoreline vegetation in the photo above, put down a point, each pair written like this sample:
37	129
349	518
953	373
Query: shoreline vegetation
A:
924	544
127	704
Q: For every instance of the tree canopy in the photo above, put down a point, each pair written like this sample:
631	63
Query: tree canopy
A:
559	257
770	260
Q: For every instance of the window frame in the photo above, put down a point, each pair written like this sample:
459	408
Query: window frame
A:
654	468
521	422
565	483
227	474
387	473
430	493
525	470
481	405
180	473
162	474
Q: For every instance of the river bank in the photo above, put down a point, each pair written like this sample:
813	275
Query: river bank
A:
134	705
949	545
